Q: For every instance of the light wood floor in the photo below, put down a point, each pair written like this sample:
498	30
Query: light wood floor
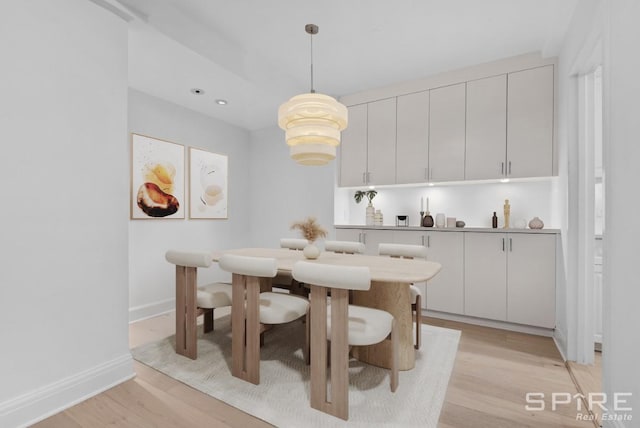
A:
493	371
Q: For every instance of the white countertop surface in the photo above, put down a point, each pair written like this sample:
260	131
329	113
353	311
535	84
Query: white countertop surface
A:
447	229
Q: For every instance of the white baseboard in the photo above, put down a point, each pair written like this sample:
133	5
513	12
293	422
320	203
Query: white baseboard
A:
39	404
538	331
150	310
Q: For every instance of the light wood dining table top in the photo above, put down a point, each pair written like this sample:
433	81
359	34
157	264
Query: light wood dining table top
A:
382	268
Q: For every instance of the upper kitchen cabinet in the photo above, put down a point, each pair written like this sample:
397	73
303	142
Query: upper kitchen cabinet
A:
381	142
412	139
530	123
447	133
368	148
486	145
353	148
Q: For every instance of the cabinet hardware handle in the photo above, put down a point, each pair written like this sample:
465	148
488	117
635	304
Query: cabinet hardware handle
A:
503	244
501	168
364	237
430	173
423	240
509	167
429	241
510	244
368	178
359	236
426	173
364	179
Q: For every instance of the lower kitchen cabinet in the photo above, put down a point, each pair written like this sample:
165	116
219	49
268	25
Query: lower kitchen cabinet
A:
485	275
511	277
370	238
445	292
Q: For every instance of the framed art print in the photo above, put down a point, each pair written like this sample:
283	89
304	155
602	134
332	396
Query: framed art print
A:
208	191
157	178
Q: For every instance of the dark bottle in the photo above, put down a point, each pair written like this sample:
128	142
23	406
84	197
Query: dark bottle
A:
427	220
494	221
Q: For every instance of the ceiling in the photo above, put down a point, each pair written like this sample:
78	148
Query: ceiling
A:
256	54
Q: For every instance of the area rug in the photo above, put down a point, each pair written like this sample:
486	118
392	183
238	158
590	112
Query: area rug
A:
282	398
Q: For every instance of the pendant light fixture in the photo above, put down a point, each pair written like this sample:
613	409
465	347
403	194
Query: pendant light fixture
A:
312	122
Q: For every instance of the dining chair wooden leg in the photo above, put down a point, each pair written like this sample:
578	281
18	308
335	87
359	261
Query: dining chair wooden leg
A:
245	329
208	320
186	318
417	307
307	337
394	356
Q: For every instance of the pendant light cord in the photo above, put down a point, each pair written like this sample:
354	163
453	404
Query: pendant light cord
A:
311	43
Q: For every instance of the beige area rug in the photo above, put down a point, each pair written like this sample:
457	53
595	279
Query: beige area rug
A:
282	398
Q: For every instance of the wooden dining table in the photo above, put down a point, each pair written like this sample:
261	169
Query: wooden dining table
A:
390	280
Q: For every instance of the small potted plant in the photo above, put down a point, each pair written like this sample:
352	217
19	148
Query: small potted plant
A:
370	194
311	231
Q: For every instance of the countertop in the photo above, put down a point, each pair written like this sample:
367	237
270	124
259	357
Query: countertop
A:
447	229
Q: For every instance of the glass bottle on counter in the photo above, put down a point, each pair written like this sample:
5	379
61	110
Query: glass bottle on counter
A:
494	221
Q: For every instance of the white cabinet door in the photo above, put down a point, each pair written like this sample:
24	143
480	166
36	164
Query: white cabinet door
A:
530	123
381	142
372	238
447	133
531	279
445	292
354	235
485	275
486	143
353	148
412	142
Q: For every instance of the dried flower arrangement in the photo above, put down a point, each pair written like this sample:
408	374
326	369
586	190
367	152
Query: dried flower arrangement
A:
310	229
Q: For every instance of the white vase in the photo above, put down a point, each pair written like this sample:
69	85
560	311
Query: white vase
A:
371	215
311	252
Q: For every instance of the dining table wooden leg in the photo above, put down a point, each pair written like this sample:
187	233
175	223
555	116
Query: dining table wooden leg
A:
393	298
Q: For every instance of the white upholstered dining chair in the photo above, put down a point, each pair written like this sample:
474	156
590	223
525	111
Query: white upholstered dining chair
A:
193	301
285	281
346	247
345	326
409	252
272	308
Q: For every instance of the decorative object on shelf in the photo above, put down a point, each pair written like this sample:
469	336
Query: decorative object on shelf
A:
402	220
507	213
494	221
312	122
460	223
378	218
371	212
426	218
520	224
536	223
311	231
451	222
440	220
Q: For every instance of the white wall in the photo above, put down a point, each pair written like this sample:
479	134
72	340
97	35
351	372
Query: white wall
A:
283	191
472	203
621	346
63	293
151	278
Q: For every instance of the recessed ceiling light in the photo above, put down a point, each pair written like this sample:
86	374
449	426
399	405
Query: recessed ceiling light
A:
221	102
197	91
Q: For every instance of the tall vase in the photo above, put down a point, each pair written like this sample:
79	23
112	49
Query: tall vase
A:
371	215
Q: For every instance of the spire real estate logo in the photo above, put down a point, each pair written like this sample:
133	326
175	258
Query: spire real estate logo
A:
612	407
